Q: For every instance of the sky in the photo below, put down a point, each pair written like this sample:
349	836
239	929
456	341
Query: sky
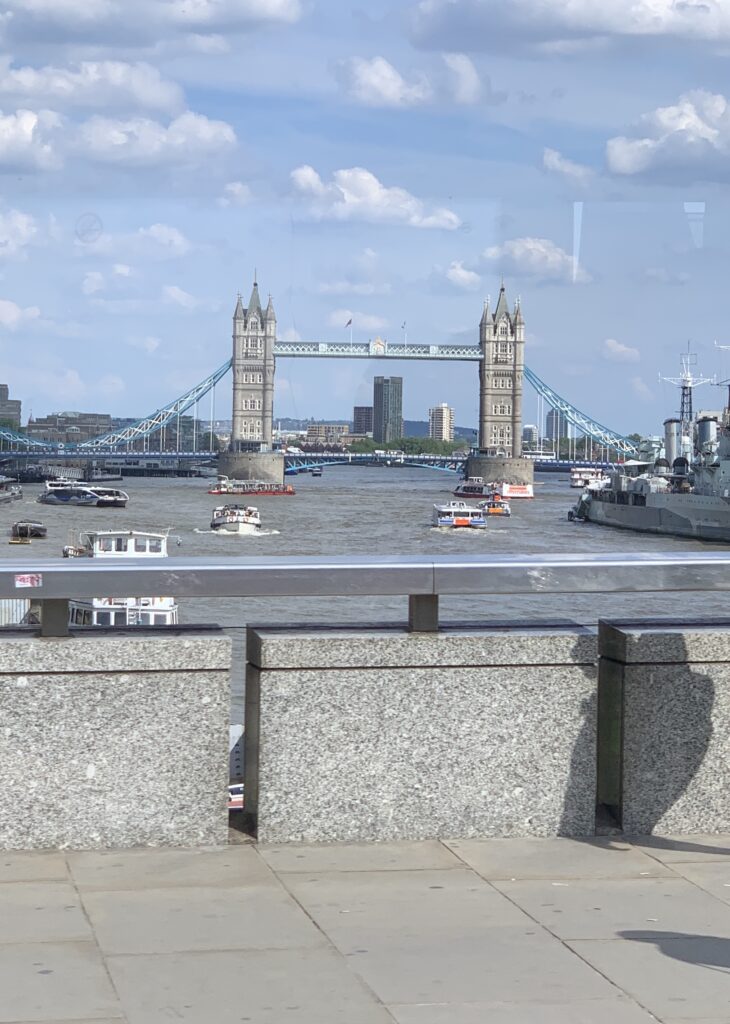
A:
385	162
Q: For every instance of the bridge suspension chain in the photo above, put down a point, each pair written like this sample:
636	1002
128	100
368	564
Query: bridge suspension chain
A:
584	423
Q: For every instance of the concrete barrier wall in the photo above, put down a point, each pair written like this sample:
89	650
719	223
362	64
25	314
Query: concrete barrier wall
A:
381	734
665	726
114	740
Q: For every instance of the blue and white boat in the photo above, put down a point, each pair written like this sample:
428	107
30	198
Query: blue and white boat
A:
459	515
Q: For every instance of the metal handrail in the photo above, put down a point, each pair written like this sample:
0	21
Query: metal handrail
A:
422	580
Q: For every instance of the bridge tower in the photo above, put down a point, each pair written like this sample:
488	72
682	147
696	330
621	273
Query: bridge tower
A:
250	455
502	341
501	373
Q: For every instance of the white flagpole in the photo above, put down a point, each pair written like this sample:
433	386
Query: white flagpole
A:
405	338
350	334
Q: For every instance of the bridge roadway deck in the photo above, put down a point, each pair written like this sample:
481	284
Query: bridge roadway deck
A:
542	931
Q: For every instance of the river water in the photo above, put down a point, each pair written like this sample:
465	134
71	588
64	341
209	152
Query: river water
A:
373	510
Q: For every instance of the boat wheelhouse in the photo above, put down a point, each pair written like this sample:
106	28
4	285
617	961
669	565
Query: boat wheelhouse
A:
121	611
236	519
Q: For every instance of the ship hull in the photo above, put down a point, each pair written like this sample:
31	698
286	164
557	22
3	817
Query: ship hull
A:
694	516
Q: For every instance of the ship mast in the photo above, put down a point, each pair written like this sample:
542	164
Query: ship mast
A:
687	382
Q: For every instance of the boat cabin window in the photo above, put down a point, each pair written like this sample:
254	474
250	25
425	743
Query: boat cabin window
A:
103	619
156	544
120	544
120	618
140	543
106	544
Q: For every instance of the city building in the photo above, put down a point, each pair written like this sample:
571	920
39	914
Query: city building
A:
328	433
441	423
502	340
9	408
387	409
254	336
556	426
362	419
530	435
69	427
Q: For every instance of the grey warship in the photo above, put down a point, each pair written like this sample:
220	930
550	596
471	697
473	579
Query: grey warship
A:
685	492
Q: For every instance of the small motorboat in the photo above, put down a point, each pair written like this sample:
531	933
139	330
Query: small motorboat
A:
26	529
495	505
457	514
236	519
316	471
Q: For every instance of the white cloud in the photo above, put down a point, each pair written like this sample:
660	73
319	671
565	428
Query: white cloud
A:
190	138
376	83
689	141
178	297
640	389
235	193
113	23
535	257
356	194
290	334
13	316
467	86
617	352
93	282
353	288
17	231
171	241
465	279
91	84
554	161
660	275
148	344
564	27
362	321
122	270
27	140
157	242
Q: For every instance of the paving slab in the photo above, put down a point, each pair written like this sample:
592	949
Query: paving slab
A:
264	987
439	936
41	912
673	975
684	849
55	981
601	909
402	856
33	867
555	858
713	878
177	920
115	870
613	1011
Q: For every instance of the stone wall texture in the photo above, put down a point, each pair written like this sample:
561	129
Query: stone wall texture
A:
672	685
364	735
114	740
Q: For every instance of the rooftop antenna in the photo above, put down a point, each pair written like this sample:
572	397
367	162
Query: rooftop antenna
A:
687	382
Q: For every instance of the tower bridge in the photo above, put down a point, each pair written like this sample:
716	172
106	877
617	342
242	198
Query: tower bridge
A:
499	356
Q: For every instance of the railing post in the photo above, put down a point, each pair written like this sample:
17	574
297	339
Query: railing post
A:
54	617
423	613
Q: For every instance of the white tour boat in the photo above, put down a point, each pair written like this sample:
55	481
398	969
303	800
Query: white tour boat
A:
236	519
458	514
74	492
588	475
121	611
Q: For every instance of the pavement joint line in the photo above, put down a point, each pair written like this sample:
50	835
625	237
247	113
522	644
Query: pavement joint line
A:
564	943
97	944
340	955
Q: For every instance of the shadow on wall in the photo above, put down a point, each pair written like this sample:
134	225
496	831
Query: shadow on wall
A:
574	821
667	730
710	951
